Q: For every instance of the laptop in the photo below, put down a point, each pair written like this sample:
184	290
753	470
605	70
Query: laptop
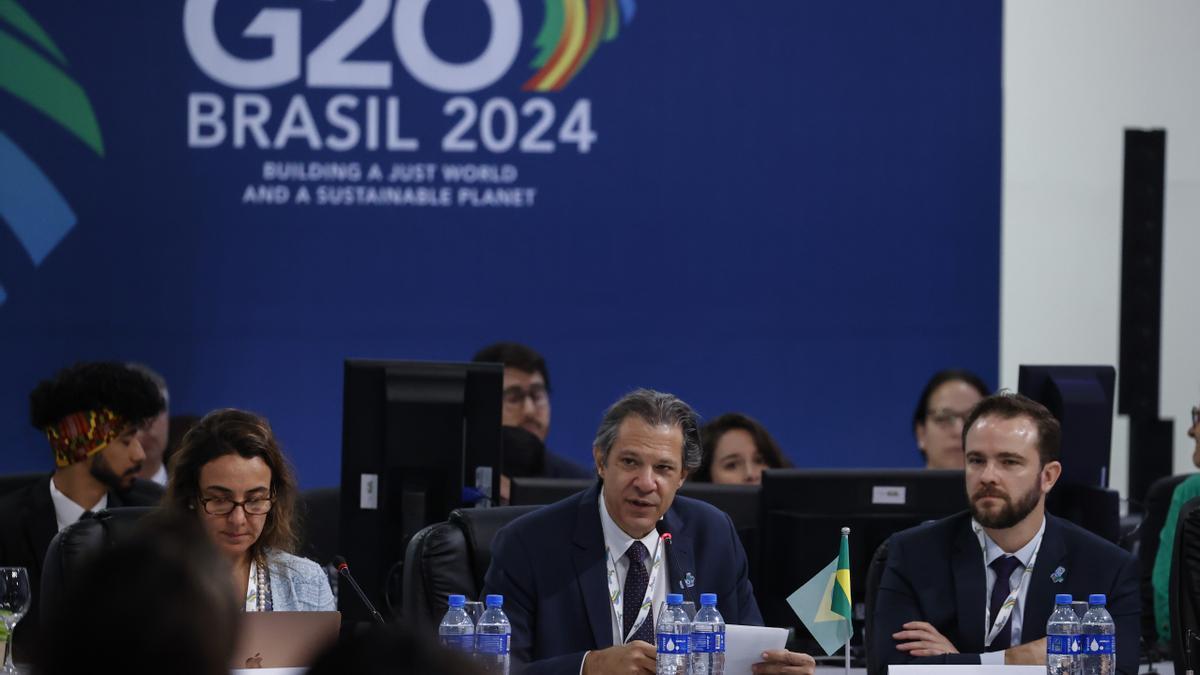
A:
284	639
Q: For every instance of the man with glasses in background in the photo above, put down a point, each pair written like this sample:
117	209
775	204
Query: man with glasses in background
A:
526	407
1161	576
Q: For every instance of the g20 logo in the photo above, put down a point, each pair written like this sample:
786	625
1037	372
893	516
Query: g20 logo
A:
329	65
570	34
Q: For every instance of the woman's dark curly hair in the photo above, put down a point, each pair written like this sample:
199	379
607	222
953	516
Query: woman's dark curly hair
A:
226	432
715	428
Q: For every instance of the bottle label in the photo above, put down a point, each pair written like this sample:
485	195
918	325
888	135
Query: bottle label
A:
669	643
1100	644
462	643
707	642
491	644
1064	644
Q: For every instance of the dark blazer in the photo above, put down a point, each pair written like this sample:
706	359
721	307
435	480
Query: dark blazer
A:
28	524
549	566
935	573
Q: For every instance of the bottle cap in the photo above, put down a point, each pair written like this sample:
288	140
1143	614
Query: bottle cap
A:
674	599
458	600
708	599
1062	599
495	600
1097	599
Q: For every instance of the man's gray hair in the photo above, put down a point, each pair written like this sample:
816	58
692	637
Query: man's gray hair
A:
656	408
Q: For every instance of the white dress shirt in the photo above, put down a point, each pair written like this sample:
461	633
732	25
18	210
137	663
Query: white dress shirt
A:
618	542
160	476
992	552
67	511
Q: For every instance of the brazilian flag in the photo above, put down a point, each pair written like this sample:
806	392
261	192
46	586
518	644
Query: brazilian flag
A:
840	603
823	602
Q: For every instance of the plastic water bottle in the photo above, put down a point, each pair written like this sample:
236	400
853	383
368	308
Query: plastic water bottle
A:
457	631
674	635
1063	644
1099	638
492	637
708	638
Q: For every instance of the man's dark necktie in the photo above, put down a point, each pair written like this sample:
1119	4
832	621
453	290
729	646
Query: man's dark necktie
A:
1004	566
636	580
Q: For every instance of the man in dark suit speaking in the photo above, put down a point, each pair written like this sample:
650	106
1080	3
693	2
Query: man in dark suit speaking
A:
583	579
979	586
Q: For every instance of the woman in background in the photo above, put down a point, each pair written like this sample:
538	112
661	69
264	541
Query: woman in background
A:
938	420
736	450
230	473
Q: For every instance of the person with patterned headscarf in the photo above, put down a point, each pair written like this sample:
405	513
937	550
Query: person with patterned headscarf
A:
91	414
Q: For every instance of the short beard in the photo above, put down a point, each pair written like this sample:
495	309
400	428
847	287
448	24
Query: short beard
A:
102	472
1010	514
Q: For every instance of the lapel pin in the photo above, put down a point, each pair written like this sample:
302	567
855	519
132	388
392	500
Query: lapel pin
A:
689	580
1058	575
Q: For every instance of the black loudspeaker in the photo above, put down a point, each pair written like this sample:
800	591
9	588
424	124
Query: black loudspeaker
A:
1141	307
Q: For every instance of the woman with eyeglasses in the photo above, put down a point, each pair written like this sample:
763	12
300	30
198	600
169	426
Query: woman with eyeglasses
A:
230	473
938	420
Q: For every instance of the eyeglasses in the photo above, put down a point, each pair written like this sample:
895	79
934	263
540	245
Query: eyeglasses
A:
1195	415
223	506
514	397
946	417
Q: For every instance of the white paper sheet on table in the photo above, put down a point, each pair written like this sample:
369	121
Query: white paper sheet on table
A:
744	646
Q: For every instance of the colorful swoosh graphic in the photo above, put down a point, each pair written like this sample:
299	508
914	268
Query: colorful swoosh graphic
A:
33	207
570	34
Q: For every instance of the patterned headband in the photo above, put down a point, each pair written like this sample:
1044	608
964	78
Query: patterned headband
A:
80	435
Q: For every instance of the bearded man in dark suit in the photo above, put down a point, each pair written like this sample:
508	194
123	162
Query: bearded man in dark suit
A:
979	586
92	414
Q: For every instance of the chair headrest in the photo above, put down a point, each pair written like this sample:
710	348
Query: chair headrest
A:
480	527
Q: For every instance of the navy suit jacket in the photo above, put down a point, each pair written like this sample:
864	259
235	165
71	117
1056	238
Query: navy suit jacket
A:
549	566
935	573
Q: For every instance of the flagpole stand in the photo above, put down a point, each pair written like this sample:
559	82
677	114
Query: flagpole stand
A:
850	624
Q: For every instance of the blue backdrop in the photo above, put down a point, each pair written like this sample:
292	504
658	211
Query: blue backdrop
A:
789	209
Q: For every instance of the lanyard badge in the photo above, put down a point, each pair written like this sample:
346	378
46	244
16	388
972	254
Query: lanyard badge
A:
615	596
1010	602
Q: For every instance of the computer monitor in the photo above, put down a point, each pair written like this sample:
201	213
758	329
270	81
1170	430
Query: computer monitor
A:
414	435
529	491
1081	397
803	512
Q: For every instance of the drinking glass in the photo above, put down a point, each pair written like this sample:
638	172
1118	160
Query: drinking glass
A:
15	596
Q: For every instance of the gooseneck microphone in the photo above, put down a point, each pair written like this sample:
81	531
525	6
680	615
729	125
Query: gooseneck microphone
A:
344	570
664	536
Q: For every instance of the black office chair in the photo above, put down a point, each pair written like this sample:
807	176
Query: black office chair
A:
73	547
1185	589
1158	501
874	576
451	557
16	481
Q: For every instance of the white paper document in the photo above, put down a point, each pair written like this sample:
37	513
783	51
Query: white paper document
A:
744	646
967	670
